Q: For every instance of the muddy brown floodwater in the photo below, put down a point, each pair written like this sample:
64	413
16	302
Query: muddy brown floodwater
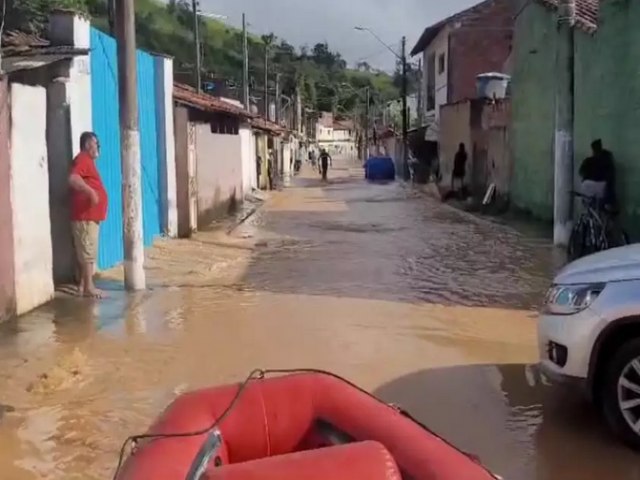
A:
421	304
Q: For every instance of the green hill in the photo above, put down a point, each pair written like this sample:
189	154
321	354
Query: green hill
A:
322	74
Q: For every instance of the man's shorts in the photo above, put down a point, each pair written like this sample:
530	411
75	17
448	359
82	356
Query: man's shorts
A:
85	239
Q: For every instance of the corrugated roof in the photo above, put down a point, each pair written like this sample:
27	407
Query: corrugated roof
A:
188	96
586	13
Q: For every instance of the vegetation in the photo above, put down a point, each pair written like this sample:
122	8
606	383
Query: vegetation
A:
325	82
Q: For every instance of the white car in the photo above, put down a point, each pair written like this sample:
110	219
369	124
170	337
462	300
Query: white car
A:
589	334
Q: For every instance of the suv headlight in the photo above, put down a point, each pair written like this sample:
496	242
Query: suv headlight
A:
571	299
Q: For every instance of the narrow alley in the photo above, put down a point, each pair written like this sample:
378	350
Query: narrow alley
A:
424	305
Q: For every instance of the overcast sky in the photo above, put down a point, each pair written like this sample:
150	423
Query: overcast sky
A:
306	22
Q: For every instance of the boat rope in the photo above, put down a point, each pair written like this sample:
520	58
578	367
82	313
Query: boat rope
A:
259	374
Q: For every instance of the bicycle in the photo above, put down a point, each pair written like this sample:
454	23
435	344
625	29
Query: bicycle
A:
595	230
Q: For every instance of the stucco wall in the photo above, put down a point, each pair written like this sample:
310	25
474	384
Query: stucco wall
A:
455	128
166	145
219	173
607	92
30	197
533	111
7	286
248	152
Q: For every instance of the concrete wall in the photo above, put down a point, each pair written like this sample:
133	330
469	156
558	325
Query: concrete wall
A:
69	114
455	128
7	286
166	144
185	165
533	110
607	92
30	198
249	170
219	173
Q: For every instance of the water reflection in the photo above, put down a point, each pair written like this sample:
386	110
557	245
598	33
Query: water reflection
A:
519	426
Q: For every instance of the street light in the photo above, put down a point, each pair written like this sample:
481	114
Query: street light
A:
405	128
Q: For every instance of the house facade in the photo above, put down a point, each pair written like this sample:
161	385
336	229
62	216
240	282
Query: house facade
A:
337	136
457	49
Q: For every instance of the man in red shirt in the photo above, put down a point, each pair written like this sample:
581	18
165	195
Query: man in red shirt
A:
88	210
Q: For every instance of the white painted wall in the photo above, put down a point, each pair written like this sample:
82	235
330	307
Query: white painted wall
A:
167	145
248	153
219	171
439	46
30	197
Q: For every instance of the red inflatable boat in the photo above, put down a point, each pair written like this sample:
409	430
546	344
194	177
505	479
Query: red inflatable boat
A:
311	426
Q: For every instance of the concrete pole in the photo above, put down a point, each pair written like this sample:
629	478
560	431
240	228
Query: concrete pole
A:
196	35
245	64
134	276
277	113
266	80
564	149
366	124
420	73
405	120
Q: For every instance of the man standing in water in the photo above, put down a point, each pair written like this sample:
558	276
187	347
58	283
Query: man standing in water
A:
88	210
325	160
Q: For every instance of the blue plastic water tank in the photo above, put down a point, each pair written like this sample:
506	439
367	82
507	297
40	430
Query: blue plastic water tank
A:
380	168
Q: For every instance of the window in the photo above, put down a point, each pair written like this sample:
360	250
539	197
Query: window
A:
441	64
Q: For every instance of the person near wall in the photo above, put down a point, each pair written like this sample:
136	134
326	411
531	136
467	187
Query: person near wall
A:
88	209
459	168
599	176
270	165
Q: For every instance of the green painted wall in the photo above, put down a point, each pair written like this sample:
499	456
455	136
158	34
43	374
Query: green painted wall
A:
607	89
607	104
533	111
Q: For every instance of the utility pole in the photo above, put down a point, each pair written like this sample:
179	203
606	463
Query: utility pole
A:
134	276
277	113
245	64
266	80
366	124
563	151
111	14
405	127
420	115
196	34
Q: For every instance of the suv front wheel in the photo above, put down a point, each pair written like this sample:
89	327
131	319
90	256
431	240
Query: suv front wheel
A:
621	393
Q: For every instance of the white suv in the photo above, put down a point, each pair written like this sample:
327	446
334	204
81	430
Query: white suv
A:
589	334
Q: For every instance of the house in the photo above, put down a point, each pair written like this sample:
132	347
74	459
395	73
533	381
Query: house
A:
45	85
214	157
337	136
54	89
457	49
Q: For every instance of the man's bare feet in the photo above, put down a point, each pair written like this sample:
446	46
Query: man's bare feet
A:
93	293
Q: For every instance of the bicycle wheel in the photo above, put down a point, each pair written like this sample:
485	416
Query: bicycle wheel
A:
576	246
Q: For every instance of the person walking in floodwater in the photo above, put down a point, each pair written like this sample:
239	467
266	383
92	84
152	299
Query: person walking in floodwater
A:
88	209
459	168
325	161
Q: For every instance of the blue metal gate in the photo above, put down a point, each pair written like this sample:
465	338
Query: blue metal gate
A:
106	124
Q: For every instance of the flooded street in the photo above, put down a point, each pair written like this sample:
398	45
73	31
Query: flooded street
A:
424	305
